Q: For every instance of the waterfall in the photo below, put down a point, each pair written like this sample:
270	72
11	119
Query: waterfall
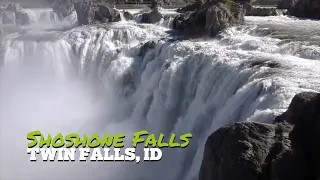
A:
103	78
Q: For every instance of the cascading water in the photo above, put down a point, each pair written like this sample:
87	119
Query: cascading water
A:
103	79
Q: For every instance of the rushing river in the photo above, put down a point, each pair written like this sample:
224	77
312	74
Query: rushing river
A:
59	78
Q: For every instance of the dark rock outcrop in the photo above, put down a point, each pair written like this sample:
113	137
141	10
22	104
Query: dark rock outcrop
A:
306	9
152	17
89	12
212	17
13	7
156	3
243	1
8	17
22	18
63	7
302	8
146	47
107	14
191	7
287	4
266	2
85	12
11	13
262	11
287	149
127	15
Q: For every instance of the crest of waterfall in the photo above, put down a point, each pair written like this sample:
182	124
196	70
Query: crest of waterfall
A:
104	79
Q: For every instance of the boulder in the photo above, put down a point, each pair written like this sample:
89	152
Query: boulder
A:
12	7
259	11
11	13
63	7
152	17
107	14
243	1
301	8
146	47
266	2
179	22
89	12
127	15
85	12
211	18
306	9
8	17
22	18
287	149
191	7
156	3
304	114
287	4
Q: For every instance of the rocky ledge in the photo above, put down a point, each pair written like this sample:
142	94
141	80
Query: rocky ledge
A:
208	18
287	149
263	11
12	13
302	8
88	12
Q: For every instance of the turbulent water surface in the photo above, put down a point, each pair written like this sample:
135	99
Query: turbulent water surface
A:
87	79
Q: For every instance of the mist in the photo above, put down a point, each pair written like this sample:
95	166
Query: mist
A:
41	90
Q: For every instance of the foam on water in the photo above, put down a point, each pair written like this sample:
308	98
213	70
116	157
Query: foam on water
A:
96	78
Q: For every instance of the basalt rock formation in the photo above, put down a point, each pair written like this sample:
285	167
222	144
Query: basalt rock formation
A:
263	11
302	8
287	4
210	18
12	13
88	12
191	7
127	15
63	7
287	149
153	16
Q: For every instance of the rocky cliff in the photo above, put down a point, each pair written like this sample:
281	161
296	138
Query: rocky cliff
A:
302	8
88	12
287	149
11	13
208	18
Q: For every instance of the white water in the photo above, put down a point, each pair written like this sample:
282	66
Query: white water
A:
92	79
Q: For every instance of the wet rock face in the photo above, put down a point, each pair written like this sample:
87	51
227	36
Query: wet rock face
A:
63	7
146	47
127	15
287	149
22	18
13	14
13	7
260	11
107	14
304	114
89	12
210	18
152	17
306	9
287	4
85	12
302	8
191	7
